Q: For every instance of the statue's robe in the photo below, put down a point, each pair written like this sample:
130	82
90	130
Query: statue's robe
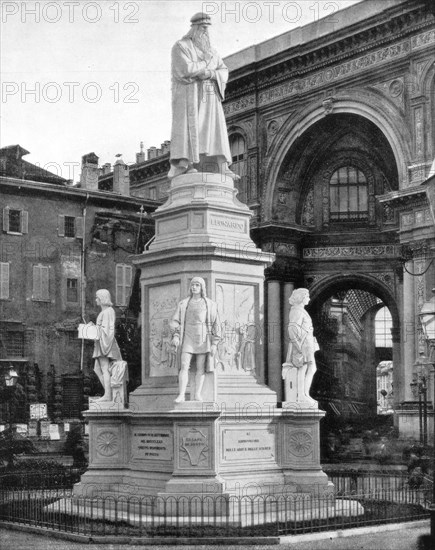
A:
198	121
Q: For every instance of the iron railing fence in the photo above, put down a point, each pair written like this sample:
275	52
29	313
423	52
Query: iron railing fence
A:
374	499
349	481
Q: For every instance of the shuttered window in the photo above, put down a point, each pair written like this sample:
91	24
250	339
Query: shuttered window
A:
15	220
4	280
41	283
70	226
123	284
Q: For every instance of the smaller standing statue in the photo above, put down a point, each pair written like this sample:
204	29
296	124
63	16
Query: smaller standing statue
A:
195	329
300	365
109	366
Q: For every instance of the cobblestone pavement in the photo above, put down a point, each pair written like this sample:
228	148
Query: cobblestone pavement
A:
404	537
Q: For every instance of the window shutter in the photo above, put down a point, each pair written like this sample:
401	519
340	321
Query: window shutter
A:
119	281
45	283
36	295
6	218
24	221
128	276
61	223
79	228
4	281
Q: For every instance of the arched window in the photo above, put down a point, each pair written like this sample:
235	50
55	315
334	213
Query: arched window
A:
383	324
348	195
239	165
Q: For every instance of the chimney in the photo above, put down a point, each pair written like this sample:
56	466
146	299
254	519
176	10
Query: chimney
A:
121	178
107	168
166	147
140	157
89	175
152	153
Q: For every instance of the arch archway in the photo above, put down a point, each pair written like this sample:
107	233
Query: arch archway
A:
384	116
343	308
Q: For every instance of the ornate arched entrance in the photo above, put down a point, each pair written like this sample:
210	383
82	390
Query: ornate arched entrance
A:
330	234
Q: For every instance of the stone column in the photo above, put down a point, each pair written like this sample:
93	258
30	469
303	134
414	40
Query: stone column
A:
397	371
408	337
288	289
274	349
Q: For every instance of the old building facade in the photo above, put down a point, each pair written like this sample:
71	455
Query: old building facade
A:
60	244
334	126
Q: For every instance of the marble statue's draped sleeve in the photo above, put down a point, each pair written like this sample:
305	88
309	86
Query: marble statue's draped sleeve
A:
184	69
107	330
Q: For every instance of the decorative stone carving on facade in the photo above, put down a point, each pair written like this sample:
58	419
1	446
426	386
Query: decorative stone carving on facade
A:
418	121
417	218
307	217
328	105
240	105
420	283
388	216
376	251
423	39
300	443
283	196
285	249
107	443
335	73
312	279
273	127
386	278
420	70
393	89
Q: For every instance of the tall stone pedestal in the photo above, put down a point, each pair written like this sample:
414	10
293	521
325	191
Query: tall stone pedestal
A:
237	441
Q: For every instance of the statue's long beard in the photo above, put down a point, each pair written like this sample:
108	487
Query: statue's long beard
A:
201	40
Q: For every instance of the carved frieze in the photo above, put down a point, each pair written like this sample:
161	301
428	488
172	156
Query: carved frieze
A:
356	252
336	73
239	105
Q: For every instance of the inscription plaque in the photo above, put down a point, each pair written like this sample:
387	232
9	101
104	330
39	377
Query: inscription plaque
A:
152	444
252	444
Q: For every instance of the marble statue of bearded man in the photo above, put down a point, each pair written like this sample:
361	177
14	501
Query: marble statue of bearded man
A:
199	138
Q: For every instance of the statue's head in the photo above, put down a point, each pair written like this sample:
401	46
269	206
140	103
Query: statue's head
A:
201	282
104	296
200	18
299	296
198	33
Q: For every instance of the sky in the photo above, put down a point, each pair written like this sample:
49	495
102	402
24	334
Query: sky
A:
94	76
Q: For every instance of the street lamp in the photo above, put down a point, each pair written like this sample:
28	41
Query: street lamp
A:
10	381
427	320
11	377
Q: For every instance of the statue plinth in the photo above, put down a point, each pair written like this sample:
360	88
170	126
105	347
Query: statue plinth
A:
237	440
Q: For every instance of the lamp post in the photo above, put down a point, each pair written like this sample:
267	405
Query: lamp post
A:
427	320
10	378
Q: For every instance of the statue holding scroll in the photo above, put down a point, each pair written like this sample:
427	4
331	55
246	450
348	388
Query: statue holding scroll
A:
300	365
111	370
